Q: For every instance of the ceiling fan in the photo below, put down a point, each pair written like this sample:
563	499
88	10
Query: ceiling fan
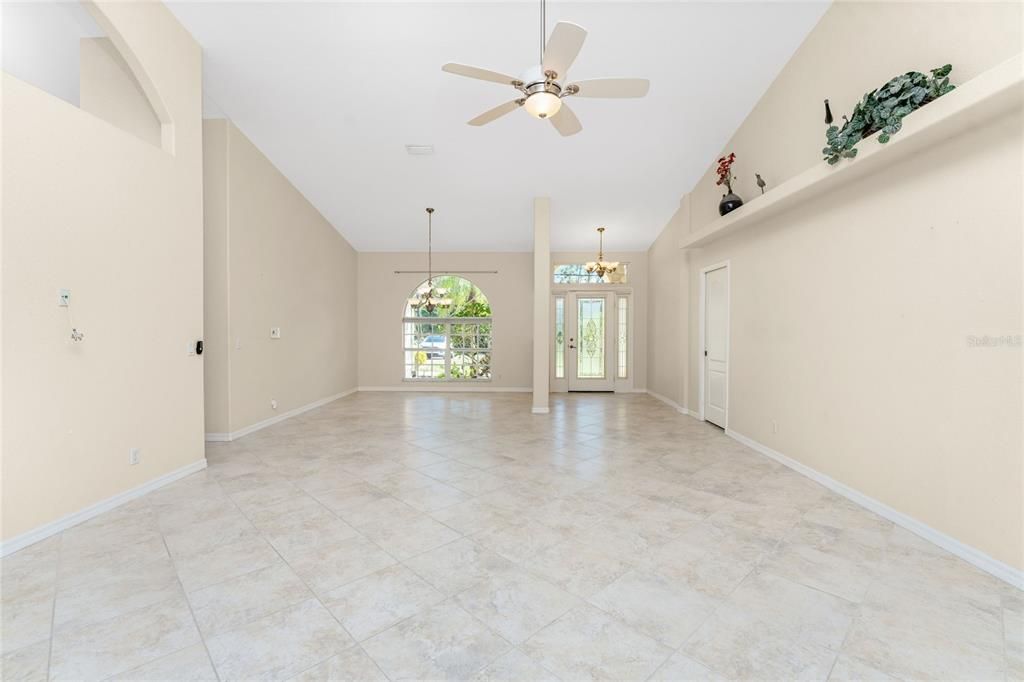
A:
544	87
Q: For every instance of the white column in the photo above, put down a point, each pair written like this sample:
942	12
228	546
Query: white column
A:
541	303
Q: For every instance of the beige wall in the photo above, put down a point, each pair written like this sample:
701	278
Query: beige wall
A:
667	337
272	261
109	90
785	132
117	221
383	295
216	330
851	313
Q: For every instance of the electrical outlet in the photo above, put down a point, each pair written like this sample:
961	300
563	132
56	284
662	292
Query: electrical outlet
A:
275	332
64	297
133	455
775	426
273	404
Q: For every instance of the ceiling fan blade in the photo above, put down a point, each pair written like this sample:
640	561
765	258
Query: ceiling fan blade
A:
563	46
479	74
496	112
612	87
565	121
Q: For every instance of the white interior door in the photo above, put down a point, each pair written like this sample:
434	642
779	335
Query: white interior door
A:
716	346
589	351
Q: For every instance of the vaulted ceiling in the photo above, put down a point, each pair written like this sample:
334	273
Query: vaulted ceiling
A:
332	92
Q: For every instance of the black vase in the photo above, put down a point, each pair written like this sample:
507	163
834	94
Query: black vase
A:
730	202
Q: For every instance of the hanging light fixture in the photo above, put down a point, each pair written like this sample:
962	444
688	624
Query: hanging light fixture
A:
602	267
431	297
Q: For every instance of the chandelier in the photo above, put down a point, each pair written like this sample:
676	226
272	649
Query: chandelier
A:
431	297
602	267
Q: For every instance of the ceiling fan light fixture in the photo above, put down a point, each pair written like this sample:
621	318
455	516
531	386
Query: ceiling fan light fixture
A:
543	104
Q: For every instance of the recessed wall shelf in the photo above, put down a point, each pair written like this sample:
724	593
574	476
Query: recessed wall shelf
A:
987	95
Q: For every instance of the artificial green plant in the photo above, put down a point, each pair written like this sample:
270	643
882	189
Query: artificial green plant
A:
883	110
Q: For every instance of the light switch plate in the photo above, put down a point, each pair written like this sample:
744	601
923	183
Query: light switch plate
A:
63	297
275	332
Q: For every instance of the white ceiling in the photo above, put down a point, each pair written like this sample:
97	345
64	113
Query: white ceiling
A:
332	92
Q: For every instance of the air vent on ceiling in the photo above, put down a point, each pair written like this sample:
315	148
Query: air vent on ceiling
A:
420	149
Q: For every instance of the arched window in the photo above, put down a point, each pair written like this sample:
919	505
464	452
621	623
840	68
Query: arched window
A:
451	339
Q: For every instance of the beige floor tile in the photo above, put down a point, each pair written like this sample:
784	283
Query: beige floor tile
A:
407	537
843	562
907	638
808	614
280	645
458	565
326	568
349	496
475	516
432	497
352	665
237	601
681	668
516	604
851	669
191	664
125	642
442	643
380	510
305	530
515	666
27	664
588	644
522	540
378	601
740	646
1013	631
151	583
218	564
577	567
656	606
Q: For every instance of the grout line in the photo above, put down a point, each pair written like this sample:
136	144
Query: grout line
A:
53	606
188	602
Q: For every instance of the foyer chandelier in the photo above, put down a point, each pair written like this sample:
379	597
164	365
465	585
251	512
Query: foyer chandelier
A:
431	297
601	267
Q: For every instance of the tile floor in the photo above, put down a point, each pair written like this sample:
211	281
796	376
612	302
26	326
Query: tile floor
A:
430	536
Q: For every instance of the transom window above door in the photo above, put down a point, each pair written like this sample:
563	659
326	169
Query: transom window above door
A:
576	273
451	338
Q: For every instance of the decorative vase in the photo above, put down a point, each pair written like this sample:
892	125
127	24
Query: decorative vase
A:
730	202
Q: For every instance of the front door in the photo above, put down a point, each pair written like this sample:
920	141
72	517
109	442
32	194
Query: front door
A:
590	342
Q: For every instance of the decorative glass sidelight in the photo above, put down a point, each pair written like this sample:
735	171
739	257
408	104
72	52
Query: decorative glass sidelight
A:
623	338
559	337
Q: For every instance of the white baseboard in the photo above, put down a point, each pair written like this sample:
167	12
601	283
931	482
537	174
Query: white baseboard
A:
446	387
540	410
252	428
971	555
42	532
668	401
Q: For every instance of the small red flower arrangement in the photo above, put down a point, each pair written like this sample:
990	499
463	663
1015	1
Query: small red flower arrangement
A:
725	176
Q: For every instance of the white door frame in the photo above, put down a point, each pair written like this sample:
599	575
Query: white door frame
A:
702	358
568	294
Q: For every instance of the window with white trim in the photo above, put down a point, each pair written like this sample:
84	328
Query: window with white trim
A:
576	273
451	339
